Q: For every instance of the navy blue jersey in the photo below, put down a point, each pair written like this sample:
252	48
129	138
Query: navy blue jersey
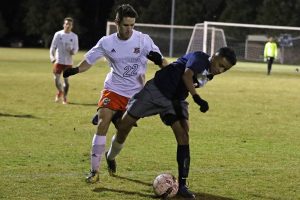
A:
169	79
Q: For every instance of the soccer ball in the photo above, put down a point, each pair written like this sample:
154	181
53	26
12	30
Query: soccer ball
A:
165	185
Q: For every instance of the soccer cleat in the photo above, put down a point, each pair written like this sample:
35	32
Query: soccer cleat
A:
111	165
184	192
95	119
93	177
58	96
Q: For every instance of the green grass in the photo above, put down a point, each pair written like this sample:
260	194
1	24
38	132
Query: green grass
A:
246	147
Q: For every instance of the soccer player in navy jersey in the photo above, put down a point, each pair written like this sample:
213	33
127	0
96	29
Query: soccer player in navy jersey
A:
166	95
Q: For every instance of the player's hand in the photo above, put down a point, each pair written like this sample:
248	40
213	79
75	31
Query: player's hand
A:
201	102
155	57
265	59
70	71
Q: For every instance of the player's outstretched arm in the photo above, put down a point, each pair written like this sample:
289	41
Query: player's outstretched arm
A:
83	66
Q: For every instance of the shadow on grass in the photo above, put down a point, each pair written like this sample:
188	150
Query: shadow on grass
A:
133	180
82	104
17	116
202	196
103	189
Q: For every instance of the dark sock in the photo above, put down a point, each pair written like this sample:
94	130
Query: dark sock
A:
183	160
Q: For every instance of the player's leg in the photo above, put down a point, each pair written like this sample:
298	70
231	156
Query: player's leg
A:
109	103
66	84
270	62
140	105
58	87
65	89
123	129
98	143
180	129
177	116
57	70
115	120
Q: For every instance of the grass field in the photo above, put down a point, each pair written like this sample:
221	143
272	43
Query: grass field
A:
246	147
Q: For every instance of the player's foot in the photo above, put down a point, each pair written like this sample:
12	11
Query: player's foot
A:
111	165
184	192
93	177
58	96
95	119
65	101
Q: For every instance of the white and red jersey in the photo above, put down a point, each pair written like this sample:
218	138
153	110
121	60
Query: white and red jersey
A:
127	59
63	46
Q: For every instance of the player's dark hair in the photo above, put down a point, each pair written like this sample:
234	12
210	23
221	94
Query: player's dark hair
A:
125	10
228	53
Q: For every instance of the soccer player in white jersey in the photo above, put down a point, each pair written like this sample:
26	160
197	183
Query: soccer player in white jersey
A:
64	45
126	51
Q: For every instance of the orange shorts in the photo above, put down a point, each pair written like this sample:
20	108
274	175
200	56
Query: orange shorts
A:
112	101
59	68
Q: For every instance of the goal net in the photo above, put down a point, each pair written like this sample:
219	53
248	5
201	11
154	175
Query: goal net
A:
247	40
215	39
160	34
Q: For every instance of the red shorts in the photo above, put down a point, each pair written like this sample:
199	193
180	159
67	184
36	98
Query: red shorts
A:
59	68
112	101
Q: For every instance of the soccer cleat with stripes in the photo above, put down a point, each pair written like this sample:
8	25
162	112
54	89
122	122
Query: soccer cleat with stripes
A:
93	177
111	165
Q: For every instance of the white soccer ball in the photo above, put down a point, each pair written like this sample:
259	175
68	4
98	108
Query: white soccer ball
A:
165	185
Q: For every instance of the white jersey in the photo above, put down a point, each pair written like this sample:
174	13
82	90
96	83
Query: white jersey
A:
63	46
127	59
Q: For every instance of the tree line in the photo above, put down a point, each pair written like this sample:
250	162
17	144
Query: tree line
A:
34	22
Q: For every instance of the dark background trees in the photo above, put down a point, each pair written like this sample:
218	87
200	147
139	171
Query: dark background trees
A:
33	22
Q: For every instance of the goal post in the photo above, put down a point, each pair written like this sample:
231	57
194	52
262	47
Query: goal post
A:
246	39
200	36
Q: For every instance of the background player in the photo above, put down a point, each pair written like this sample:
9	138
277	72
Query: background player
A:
63	46
270	53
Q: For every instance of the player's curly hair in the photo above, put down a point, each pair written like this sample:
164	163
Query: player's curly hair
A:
125	10
228	53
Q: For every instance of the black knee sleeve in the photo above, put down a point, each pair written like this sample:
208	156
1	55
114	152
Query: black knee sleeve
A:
169	119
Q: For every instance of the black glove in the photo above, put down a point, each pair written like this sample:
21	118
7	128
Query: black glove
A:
155	57
70	71
210	76
201	102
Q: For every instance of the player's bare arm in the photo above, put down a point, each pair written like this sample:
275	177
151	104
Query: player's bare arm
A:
82	67
189	83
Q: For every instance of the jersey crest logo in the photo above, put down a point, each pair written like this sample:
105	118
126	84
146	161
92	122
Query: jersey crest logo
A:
106	101
136	50
113	51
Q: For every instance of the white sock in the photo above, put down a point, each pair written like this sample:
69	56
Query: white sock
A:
98	148
114	149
